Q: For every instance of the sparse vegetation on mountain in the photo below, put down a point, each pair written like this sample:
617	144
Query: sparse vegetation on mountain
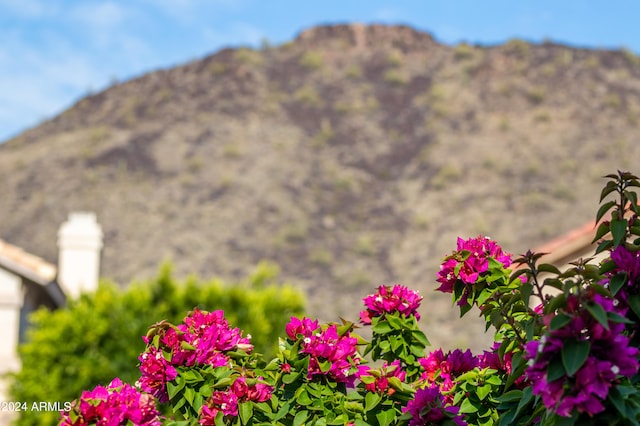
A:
352	156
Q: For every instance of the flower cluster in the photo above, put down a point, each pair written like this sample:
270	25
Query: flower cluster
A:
330	354
378	380
575	355
227	401
469	261
628	262
389	300
117	404
441	368
203	339
608	356
428	408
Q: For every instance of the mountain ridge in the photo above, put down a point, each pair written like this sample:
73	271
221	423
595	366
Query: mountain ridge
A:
352	156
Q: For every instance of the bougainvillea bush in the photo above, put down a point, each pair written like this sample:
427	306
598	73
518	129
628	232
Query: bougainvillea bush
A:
565	352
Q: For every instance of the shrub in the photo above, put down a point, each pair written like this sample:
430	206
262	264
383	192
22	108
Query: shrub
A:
311	60
563	357
95	338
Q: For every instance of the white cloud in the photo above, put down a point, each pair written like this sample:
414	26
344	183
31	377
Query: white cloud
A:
28	9
100	16
388	14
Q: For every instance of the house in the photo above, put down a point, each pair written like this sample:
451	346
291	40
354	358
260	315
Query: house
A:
573	245
28	282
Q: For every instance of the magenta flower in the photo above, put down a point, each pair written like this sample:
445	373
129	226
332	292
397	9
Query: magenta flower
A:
156	373
441	368
468	263
610	356
211	335
257	392
330	354
428	408
117	404
627	261
389	300
305	326
203	339
220	401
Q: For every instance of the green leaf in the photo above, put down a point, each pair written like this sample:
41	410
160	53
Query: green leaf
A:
617	400
634	304
616	283
525	291
598	312
420	337
381	327
467	406
618	230
614	317
511	396
302	397
566	421
394	321
608	189
632	197
483	391
574	353
464	309
189	394
604	245
386	417
219	419
289	378
371	400
300	418
483	296
555	370
559	321
527	396
245	410
604	209
173	389
282	411
547	267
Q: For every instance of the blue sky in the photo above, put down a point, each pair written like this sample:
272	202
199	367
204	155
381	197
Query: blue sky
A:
53	52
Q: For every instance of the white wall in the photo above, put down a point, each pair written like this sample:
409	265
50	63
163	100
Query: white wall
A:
79	245
11	297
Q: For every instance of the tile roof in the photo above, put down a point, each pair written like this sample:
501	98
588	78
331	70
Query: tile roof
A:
32	267
570	246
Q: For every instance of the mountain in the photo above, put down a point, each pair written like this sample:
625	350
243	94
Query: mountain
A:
352	156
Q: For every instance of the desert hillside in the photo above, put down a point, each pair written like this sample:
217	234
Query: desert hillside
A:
351	156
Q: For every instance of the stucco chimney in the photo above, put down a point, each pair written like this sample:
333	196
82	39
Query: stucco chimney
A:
79	246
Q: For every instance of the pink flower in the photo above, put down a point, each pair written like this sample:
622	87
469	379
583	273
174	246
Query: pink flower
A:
203	338
117	404
220	401
210	334
156	373
469	262
389	300
441	369
258	392
330	354
428	408
610	355
304	326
